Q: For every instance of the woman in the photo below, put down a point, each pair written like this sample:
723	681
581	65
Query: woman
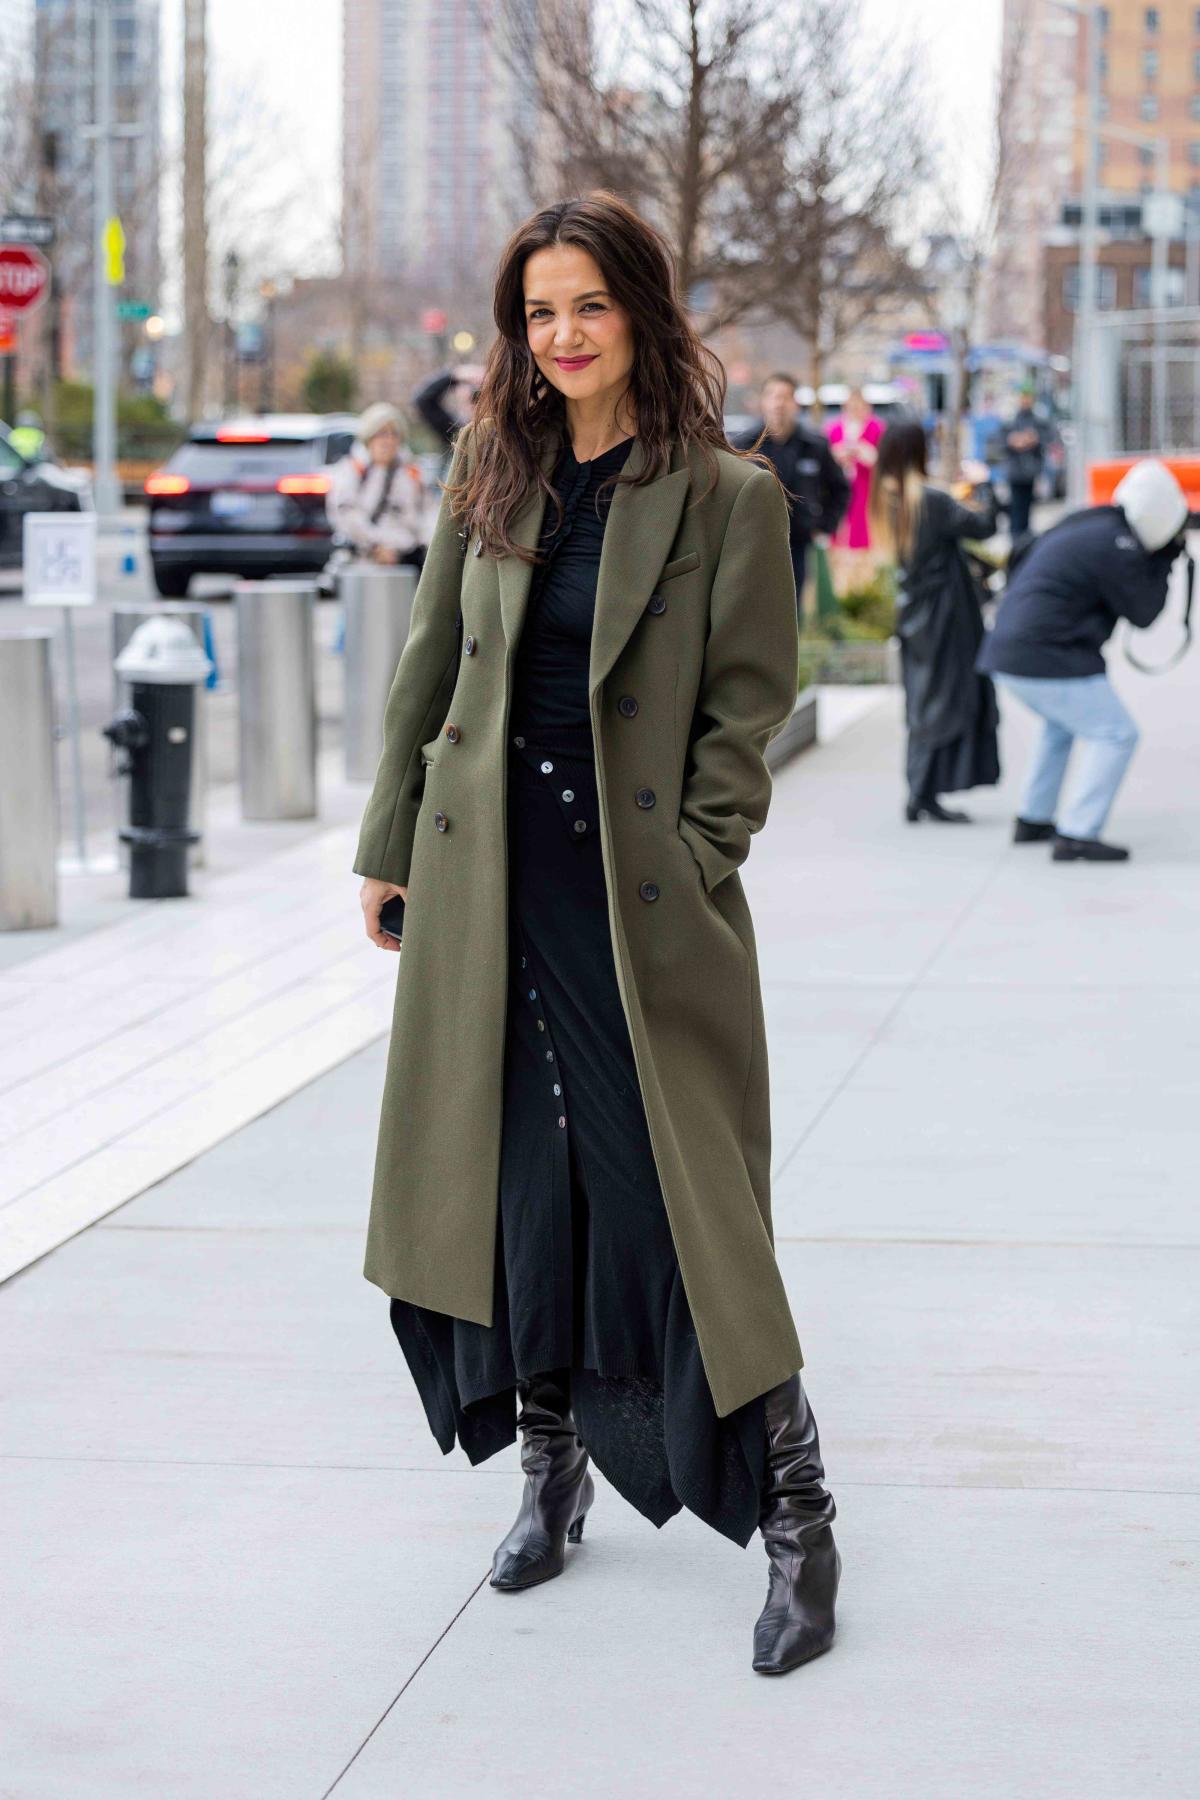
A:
951	710
854	439
376	498
571	1207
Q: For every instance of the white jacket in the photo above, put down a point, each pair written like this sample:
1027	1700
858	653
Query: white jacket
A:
370	504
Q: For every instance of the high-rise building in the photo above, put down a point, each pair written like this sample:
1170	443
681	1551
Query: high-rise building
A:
65	102
433	106
16	34
1149	90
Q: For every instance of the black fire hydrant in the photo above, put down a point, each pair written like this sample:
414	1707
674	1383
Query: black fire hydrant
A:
152	741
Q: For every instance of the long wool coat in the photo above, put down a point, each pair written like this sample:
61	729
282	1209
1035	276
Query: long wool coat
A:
693	669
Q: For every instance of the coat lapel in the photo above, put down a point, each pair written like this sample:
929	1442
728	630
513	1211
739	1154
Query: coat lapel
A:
637	540
515	575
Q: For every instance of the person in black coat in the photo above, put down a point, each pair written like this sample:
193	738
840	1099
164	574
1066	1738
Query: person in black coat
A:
1025	449
951	710
1063	599
818	492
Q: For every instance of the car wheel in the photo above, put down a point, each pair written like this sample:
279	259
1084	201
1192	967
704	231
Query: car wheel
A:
172	584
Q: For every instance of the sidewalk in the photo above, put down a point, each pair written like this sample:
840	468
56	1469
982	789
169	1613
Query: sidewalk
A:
238	1568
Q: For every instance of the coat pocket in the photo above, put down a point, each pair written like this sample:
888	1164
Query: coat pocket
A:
682	565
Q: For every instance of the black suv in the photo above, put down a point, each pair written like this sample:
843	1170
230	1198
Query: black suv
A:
246	497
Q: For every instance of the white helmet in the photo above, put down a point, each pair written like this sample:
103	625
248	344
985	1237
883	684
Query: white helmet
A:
1153	503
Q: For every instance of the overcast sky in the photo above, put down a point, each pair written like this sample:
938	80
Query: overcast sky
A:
291	51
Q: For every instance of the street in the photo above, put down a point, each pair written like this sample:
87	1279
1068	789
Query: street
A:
237	1564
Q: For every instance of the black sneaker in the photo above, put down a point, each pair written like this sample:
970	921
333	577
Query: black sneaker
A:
1087	850
1033	831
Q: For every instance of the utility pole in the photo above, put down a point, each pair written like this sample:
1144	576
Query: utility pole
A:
195	201
104	323
1089	224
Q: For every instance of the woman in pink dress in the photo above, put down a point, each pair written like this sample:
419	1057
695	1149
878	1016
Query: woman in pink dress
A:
853	438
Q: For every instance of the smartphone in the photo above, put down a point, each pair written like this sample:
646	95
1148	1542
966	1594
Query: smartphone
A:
391	917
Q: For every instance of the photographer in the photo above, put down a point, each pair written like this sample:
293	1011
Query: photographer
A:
1061	605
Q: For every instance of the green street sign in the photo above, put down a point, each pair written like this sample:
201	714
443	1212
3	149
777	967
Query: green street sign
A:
133	309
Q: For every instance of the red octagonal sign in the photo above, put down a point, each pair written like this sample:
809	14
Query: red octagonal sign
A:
24	278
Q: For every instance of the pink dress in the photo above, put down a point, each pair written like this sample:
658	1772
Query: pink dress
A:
853	533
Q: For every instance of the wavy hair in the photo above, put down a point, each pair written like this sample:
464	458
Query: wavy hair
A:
677	385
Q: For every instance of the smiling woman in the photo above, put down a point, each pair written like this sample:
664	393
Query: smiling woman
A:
572	1194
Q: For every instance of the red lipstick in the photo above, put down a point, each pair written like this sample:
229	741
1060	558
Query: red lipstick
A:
574	362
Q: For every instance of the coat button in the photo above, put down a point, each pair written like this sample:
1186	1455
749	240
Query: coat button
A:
441	821
561	1122
568	795
645	798
547	768
453	733
656	604
649	890
469	647
627	706
581	826
519	742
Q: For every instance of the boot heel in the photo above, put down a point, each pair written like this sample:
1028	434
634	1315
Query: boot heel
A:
575	1534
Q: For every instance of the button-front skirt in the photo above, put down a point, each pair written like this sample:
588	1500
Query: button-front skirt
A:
587	1277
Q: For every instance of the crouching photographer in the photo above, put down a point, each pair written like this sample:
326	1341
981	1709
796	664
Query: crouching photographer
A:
1064	596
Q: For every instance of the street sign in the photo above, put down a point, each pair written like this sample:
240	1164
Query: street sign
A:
134	309
59	556
8	336
24	278
27	228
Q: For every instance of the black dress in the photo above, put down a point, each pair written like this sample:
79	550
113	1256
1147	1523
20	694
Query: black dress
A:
587	1278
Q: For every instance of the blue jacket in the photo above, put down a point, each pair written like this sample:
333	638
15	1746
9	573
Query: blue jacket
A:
1066	592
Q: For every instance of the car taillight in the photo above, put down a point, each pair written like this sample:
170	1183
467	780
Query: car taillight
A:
163	483
303	484
243	437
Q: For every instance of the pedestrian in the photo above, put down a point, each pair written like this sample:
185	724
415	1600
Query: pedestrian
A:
1024	449
951	710
571	1207
445	401
376	496
1060	607
854	438
818	492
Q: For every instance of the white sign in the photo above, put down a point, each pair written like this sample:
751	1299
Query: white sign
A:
59	554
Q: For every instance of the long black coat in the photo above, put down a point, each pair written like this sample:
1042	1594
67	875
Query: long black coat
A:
951	710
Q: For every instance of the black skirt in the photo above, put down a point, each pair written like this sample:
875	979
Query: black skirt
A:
587	1279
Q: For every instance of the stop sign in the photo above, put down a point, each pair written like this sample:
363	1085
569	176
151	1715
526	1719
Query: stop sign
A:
24	278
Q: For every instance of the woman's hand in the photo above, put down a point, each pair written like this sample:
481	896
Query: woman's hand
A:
371	897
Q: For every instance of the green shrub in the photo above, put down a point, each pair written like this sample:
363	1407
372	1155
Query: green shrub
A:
871	606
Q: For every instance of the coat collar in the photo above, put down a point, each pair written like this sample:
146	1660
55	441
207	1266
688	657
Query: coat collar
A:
641	528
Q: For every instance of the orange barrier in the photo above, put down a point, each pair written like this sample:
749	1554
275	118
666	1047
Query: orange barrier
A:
1103	478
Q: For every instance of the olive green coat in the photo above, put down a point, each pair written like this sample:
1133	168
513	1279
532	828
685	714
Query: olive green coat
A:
696	624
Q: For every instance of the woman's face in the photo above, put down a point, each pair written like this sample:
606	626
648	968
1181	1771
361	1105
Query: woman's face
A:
581	340
384	447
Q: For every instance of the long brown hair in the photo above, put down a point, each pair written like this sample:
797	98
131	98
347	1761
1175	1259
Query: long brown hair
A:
677	385
898	487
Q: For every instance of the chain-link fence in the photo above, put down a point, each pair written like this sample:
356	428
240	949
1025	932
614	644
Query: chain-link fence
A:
1147	376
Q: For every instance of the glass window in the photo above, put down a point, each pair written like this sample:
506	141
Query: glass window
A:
1194	153
1149	107
1196	106
1102	61
1151	18
1102	16
1150	64
1106	288
1146	155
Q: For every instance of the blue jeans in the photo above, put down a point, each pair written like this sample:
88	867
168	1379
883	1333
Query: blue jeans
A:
1087	708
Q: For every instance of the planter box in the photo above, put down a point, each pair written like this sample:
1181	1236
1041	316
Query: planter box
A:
800	732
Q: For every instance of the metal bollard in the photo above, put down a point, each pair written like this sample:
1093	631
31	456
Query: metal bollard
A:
125	621
153	739
378	603
28	789
277	698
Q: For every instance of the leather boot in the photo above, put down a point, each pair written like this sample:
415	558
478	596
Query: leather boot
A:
558	1488
797	1623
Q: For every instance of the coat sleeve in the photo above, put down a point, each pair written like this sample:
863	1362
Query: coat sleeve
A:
835	491
1136	587
417	704
748	682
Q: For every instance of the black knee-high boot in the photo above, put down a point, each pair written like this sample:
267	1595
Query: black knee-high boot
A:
797	1622
558	1488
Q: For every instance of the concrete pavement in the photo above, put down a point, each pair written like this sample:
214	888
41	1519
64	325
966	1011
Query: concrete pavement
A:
237	1567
